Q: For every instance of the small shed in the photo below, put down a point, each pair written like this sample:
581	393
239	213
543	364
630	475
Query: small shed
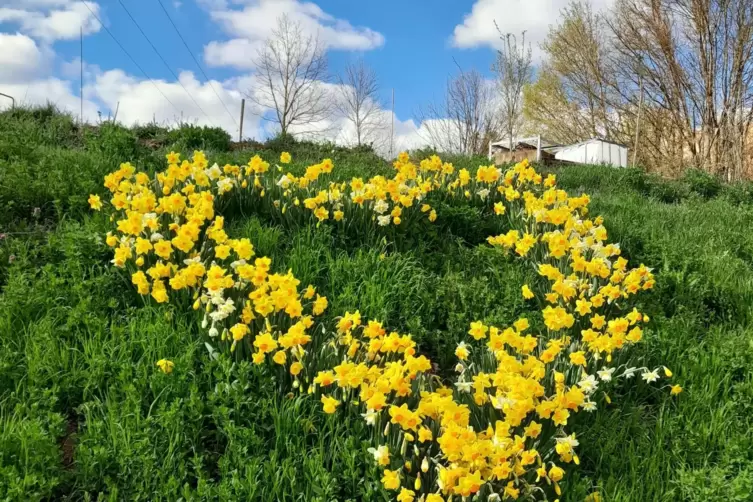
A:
594	151
534	148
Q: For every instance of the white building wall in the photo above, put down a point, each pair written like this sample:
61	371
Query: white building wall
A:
594	152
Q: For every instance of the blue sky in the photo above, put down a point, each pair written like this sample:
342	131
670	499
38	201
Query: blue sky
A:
412	45
415	60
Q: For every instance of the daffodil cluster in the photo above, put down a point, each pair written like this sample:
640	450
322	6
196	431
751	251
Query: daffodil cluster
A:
167	231
371	366
265	313
499	429
170	238
380	200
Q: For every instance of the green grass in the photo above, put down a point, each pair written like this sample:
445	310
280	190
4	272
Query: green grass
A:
86	415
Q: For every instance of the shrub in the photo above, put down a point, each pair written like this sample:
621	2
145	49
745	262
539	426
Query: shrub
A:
50	184
113	141
738	193
151	132
668	191
22	130
702	183
193	137
634	178
281	143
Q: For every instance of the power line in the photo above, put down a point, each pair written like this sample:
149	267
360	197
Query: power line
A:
129	56
165	62
209	81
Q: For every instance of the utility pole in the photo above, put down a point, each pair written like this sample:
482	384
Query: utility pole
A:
392	127
243	109
81	83
637	122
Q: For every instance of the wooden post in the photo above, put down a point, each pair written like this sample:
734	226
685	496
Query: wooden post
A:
243	110
637	123
538	148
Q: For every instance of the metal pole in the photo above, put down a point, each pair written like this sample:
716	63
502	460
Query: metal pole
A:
13	100
392	127
81	83
637	123
243	110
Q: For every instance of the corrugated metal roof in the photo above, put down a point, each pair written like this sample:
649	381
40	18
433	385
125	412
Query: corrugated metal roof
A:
594	140
531	141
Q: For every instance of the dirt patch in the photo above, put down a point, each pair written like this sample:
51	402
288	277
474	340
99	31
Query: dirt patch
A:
68	442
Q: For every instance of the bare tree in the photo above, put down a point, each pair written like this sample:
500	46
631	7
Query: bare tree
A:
464	121
358	102
550	108
696	61
514	71
691	59
291	73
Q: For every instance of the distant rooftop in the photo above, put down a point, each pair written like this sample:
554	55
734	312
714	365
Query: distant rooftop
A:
529	141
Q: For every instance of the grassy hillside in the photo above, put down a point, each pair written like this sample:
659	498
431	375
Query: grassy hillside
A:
86	415
698	448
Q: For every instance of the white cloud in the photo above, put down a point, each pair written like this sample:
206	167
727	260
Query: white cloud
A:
237	53
20	58
48	90
25	71
50	20
72	69
26	74
257	19
406	135
140	101
512	16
